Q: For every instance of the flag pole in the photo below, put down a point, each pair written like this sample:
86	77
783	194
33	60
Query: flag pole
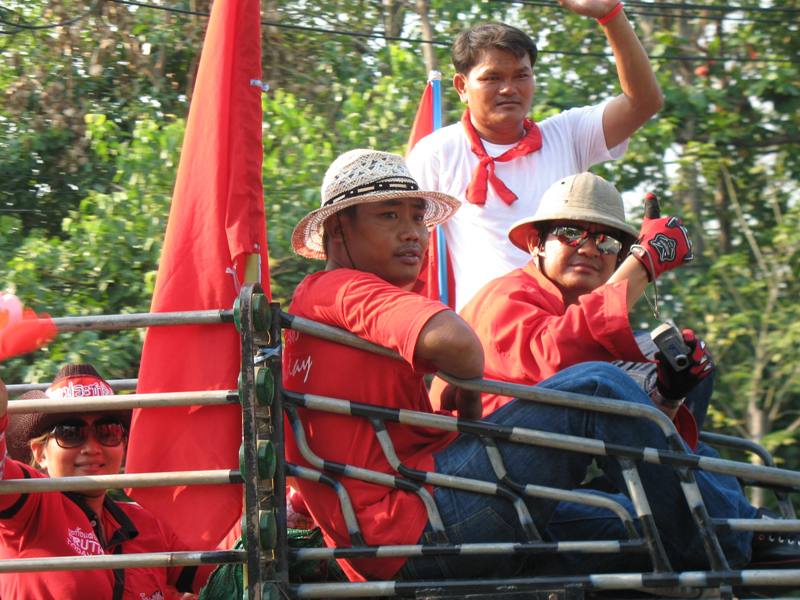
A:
435	79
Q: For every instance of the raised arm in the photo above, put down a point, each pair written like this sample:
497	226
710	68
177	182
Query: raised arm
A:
451	346
636	274
641	96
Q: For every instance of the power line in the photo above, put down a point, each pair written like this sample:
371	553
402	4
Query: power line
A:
24	26
714	7
662	9
382	36
683	6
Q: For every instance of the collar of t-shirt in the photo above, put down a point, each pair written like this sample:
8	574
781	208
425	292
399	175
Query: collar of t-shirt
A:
126	530
544	282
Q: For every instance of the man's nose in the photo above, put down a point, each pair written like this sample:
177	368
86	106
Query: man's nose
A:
506	86
588	246
410	229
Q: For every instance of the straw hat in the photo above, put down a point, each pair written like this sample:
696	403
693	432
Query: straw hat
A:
72	381
581	197
361	176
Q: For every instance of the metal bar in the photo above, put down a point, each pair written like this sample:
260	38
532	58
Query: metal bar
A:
278	440
120	481
95	403
434	517
476	549
769	475
744	445
333	334
610	581
133	320
111	561
566	399
771	525
638	496
551	493
349	515
526	392
15	389
254	565
702	519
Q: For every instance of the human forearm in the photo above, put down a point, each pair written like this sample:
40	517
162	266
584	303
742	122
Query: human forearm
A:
632	270
641	96
636	77
451	346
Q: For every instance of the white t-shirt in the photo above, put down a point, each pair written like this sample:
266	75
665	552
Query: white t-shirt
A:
477	236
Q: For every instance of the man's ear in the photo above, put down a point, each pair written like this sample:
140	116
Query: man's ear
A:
535	249
333	227
460	83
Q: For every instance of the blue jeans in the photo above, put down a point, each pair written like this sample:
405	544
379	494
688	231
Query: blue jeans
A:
469	517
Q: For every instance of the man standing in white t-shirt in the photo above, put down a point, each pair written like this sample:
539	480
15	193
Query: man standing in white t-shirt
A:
498	162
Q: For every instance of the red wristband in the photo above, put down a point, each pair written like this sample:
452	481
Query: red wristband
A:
3	423
612	13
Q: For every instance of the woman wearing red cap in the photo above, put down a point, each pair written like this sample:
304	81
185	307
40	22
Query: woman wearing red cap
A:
78	523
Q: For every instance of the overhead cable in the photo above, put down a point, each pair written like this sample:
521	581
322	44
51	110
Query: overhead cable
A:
384	37
20	26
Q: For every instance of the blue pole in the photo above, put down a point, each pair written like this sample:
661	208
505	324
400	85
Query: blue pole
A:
435	77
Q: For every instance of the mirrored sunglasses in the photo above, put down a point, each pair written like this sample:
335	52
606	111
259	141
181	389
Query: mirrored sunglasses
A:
577	237
73	435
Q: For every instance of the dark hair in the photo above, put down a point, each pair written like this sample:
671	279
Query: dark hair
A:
470	43
350	211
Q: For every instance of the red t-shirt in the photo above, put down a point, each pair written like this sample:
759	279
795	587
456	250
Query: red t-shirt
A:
528	334
377	311
53	524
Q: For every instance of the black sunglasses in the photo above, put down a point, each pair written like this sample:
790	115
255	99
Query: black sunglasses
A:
107	432
576	237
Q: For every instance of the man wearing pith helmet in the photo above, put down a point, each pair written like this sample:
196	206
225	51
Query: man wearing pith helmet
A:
569	306
571	302
371	231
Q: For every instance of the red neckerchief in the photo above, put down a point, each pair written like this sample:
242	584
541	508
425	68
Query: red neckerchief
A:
484	172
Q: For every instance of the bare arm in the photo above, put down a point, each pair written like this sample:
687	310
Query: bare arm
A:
632	270
641	96
451	346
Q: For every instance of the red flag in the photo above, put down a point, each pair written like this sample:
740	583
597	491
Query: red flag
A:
21	329
428	282
423	120
216	222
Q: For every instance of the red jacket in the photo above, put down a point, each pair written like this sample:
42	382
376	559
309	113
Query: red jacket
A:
528	333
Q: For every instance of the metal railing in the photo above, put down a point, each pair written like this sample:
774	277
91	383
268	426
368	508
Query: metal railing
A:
266	555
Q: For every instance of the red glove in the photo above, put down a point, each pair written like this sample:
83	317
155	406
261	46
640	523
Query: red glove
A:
676	384
663	245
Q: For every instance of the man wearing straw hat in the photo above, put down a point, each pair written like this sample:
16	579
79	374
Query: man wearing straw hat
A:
498	161
570	304
371	230
84	523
